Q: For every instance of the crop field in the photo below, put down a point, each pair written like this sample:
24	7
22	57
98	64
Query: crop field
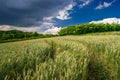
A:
95	57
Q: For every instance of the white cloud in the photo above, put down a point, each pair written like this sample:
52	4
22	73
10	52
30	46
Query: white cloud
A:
107	20
47	24
104	5
64	14
45	28
6	27
48	18
28	29
53	30
85	3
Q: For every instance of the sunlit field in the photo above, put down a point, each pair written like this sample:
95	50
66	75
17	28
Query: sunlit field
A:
95	57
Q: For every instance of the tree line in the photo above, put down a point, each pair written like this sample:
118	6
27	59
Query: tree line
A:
88	28
15	35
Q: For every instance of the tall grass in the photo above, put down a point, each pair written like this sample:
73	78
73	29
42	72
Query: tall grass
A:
62	58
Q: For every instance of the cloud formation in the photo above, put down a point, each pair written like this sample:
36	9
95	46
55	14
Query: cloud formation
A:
64	14
28	29
53	30
27	13
104	5
85	3
107	20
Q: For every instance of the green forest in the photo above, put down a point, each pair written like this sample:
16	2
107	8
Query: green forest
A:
88	28
15	35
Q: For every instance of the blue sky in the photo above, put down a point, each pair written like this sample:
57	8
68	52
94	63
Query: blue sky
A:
90	12
49	16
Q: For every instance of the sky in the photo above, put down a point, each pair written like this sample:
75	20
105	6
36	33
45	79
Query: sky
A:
49	16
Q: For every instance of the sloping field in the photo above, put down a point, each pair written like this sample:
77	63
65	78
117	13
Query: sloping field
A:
94	57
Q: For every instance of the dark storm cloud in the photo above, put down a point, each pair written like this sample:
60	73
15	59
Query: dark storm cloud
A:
29	12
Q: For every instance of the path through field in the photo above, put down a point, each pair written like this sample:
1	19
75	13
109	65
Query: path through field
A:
94	57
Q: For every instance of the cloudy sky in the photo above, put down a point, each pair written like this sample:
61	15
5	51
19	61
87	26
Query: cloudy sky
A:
49	16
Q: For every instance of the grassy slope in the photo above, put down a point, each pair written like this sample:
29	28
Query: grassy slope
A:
62	58
105	33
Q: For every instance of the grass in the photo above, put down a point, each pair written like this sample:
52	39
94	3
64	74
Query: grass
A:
95	57
104	33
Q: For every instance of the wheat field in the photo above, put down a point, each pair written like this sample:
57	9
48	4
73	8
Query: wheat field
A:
95	57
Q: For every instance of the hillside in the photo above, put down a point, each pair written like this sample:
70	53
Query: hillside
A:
62	58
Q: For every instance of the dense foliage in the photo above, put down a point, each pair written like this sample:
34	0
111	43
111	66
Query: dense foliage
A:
14	35
89	28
